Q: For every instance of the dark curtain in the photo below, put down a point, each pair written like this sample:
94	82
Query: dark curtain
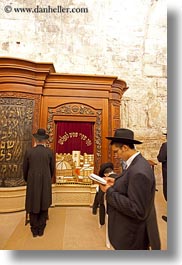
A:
77	136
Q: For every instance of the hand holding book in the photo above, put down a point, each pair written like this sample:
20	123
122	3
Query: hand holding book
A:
97	179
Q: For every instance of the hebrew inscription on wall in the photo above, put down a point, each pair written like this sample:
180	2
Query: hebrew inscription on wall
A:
16	116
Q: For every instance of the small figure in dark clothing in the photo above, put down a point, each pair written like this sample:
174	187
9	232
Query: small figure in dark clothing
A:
106	169
162	157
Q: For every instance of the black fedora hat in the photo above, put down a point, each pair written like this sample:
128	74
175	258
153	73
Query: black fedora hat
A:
41	134
124	136
104	166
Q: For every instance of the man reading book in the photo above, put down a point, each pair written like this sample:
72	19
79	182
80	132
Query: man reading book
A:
132	222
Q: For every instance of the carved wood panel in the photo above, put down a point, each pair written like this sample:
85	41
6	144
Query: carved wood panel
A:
18	115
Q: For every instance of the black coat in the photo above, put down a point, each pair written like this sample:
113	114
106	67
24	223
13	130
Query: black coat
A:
38	168
99	203
162	157
132	223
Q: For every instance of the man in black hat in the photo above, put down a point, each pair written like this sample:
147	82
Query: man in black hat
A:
38	169
106	170
132	222
162	157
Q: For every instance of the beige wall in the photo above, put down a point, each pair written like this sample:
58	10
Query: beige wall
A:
127	39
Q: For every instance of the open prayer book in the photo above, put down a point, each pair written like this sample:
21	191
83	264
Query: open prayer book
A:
97	179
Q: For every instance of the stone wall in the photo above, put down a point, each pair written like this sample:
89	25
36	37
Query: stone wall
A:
127	39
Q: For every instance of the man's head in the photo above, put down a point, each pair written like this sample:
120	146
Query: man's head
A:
122	151
165	134
123	143
105	169
40	141
40	136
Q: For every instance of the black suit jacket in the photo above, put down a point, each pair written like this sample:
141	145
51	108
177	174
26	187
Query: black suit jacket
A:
38	168
132	223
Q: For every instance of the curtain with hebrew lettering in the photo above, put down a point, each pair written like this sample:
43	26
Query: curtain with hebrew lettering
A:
75	136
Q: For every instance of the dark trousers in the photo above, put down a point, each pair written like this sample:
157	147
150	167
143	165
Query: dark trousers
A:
99	203
165	188
38	222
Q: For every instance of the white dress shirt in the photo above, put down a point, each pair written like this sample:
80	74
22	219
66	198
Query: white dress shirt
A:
128	162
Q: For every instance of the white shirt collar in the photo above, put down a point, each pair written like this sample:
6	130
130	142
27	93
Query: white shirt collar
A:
129	161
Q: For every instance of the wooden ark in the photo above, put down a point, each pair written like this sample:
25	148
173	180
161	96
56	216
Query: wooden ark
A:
33	95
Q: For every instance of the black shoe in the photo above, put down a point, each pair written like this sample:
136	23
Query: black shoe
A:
41	233
164	218
94	211
34	232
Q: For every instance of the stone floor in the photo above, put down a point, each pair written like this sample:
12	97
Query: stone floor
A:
68	228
